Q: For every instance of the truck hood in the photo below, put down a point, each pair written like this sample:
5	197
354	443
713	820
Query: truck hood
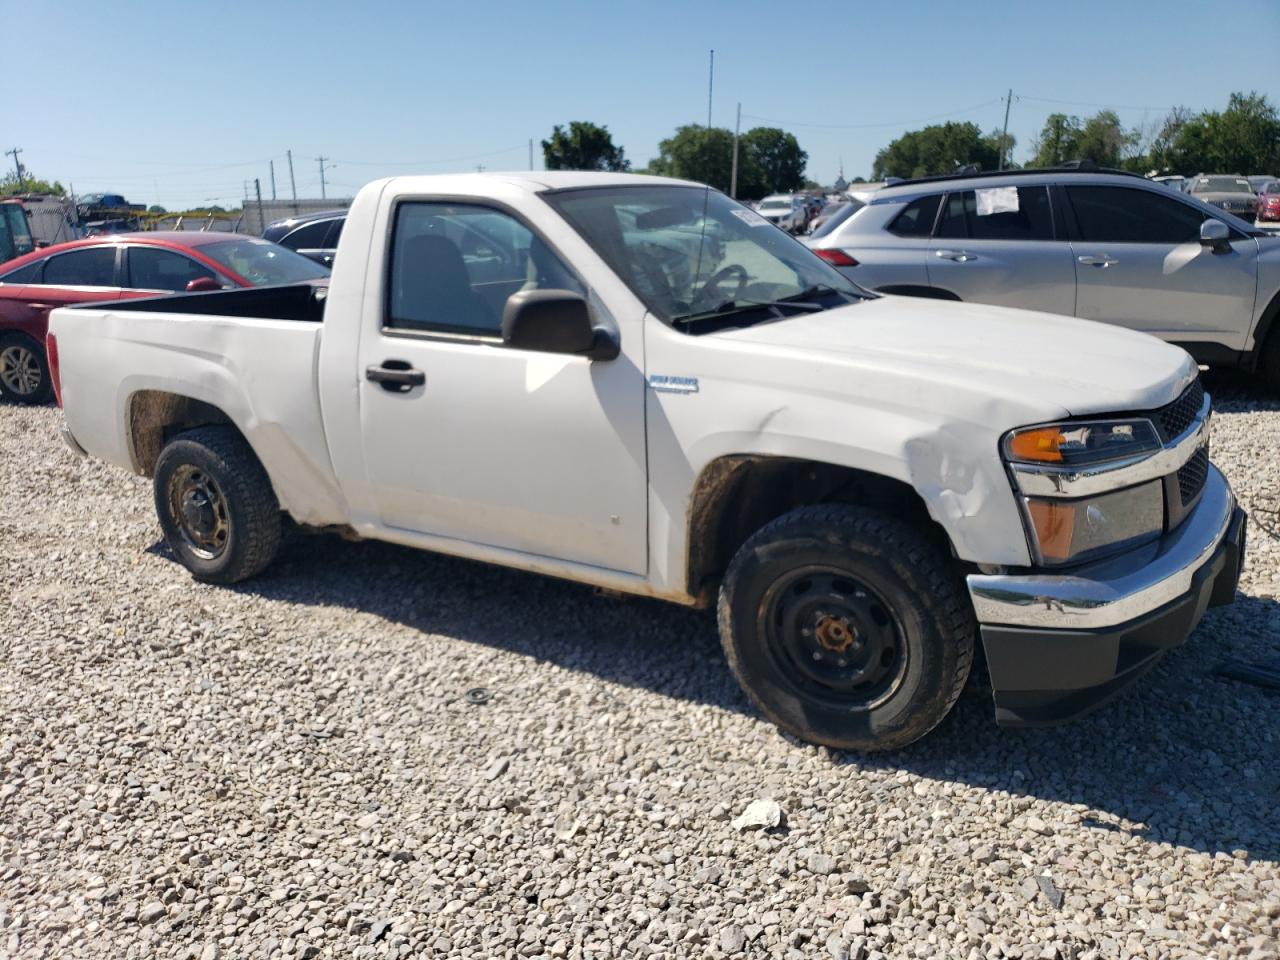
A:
1059	365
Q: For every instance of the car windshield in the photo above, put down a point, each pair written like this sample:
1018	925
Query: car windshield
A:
692	253
1272	187
263	263
1221	185
776	205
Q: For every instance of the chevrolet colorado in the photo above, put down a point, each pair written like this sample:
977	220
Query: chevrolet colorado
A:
545	370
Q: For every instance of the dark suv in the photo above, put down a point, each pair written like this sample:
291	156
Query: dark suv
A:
314	235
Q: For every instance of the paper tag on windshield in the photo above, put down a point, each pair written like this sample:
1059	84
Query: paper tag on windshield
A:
997	200
749	217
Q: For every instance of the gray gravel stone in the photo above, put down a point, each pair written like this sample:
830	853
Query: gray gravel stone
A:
160	745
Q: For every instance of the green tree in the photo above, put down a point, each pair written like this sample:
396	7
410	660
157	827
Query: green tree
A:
10	186
1059	141
769	161
1244	138
584	146
703	154
156	208
936	150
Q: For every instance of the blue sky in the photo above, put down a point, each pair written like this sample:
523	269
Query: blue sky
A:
180	103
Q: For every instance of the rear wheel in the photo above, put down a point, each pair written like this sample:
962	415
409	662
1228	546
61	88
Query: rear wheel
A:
216	506
24	371
847	627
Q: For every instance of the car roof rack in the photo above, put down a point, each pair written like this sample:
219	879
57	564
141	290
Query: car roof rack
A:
972	171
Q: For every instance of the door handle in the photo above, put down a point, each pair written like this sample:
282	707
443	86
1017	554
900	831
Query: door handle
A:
959	256
41	306
1098	261
396	376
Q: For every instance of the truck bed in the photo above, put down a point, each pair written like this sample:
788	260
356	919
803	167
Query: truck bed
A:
298	301
251	354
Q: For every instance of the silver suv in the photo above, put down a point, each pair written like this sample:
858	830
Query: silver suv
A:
1104	246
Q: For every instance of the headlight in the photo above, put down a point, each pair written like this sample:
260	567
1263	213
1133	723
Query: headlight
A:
1064	530
1082	444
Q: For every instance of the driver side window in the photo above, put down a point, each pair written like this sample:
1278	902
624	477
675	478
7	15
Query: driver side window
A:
453	267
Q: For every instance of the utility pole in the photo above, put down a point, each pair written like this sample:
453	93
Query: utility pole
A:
1005	132
531	153
733	177
262	221
293	187
711	82
272	165
16	163
323	166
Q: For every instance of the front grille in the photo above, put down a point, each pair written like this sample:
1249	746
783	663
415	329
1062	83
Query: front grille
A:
1192	475
1174	418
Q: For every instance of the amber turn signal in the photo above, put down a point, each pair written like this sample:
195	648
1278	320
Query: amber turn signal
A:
1055	525
1042	445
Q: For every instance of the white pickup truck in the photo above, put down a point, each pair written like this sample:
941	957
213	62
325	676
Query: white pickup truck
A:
637	383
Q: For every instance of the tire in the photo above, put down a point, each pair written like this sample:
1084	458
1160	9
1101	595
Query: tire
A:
218	512
1269	362
24	370
846	627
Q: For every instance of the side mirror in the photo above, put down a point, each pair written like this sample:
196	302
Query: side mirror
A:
203	285
555	321
1215	234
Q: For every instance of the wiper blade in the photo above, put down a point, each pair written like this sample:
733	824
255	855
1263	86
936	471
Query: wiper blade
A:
738	306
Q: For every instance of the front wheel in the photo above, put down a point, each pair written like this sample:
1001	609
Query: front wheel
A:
847	627
24	371
217	509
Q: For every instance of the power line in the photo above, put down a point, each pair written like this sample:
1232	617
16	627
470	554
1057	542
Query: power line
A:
1099	106
868	126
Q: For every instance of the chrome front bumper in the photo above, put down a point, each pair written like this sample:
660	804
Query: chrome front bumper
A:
1115	590
1058	645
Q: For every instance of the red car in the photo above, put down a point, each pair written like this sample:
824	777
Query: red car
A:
119	267
1268	204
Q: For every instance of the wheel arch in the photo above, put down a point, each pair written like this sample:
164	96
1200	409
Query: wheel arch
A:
156	416
1266	330
737	494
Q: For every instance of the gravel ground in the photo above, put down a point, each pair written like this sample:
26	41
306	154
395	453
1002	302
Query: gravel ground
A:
291	769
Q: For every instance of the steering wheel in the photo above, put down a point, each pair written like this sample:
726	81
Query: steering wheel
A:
710	295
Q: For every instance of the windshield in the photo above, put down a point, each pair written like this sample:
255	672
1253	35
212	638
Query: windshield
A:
263	263
1221	185
690	251
776	205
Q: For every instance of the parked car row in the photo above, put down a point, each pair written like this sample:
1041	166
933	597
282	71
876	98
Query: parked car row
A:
122	266
1093	244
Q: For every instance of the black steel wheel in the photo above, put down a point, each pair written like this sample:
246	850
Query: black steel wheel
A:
24	371
847	627
835	637
216	506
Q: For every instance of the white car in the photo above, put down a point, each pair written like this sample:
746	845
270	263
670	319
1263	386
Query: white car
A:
865	486
785	211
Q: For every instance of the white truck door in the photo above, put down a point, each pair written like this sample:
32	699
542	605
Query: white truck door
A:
536	452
